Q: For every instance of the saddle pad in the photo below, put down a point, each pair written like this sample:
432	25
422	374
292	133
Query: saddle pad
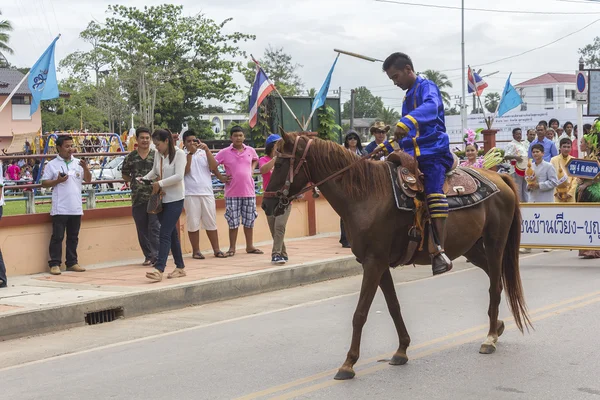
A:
485	188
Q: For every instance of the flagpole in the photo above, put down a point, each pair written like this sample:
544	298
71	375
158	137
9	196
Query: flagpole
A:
277	91
472	75
10	96
313	111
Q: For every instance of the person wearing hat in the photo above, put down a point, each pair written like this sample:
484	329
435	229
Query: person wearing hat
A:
353	145
421	132
379	130
278	223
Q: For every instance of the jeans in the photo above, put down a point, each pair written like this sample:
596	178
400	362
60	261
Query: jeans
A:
277	227
521	188
168	238
2	266
148	229
60	223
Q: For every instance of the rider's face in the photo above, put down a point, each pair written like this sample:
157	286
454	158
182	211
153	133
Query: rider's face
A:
400	77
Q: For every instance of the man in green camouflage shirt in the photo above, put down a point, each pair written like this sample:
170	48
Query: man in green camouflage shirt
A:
137	164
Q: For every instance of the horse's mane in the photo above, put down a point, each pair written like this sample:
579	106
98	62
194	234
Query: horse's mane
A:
366	178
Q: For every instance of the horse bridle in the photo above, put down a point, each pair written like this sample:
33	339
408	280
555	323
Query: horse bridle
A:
283	193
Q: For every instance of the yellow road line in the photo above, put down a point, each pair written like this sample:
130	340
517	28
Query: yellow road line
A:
448	346
331	372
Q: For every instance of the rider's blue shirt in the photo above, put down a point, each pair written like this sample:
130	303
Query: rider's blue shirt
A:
423	118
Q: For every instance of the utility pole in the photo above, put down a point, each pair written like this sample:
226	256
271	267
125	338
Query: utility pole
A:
580	114
352	96
463	108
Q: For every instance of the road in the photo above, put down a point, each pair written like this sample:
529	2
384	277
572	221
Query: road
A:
288	344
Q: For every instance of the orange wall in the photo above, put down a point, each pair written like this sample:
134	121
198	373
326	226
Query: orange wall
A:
109	235
7	125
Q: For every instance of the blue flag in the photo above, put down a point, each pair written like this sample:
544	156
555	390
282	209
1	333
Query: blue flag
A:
322	95
42	78
510	98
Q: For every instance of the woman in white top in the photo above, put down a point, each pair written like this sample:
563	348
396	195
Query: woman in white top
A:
3	279
169	169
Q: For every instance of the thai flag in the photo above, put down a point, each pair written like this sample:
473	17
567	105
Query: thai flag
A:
476	83
261	88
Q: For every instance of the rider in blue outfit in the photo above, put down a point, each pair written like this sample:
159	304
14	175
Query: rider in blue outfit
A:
421	132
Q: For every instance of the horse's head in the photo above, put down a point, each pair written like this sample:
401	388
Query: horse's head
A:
290	174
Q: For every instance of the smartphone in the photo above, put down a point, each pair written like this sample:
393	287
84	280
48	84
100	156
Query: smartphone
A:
62	174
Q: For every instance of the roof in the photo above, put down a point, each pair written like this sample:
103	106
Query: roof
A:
361	122
10	78
549	78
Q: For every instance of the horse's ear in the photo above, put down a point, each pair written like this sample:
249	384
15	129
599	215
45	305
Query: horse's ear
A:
286	137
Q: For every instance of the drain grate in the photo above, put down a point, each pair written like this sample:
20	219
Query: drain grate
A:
100	317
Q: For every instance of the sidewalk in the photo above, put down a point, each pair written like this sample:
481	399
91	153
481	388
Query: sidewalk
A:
41	303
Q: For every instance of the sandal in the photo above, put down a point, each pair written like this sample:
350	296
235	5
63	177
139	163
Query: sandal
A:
154	275
198	256
220	254
255	251
230	253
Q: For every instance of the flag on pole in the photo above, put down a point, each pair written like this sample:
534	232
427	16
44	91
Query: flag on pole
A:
476	83
510	98
322	95
42	78
261	88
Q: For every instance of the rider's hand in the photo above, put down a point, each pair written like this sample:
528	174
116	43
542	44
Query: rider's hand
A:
400	132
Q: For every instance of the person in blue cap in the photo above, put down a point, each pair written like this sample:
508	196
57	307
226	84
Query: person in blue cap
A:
421	132
277	224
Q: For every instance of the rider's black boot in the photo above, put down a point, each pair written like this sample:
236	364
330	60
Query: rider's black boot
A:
440	262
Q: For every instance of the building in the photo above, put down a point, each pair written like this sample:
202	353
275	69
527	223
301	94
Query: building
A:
361	126
550	91
219	123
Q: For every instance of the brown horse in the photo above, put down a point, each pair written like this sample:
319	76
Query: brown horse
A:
488	234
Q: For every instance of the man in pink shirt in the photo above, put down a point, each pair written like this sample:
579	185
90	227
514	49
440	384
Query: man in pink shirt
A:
14	172
239	161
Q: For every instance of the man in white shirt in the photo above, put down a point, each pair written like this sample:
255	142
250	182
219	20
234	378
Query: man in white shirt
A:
65	175
3	280
199	202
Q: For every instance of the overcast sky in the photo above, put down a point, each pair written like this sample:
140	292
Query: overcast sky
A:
310	29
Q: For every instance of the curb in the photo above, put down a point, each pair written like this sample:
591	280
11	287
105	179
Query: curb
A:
54	318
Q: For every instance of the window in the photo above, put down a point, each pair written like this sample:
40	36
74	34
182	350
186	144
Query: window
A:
549	94
21	100
570	94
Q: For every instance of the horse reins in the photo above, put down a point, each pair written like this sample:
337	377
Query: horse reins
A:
283	193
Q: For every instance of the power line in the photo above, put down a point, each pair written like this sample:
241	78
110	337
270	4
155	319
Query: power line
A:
527	51
405	3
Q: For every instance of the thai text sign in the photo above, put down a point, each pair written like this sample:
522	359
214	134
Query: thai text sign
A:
585	169
561	225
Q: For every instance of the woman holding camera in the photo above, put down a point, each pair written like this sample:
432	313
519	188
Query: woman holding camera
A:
169	169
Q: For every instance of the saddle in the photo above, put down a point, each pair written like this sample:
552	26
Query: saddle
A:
410	178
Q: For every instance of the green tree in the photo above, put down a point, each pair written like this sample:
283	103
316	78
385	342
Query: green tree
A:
389	116
491	101
442	82
312	92
451	111
5	28
280	69
328	128
167	63
365	104
591	53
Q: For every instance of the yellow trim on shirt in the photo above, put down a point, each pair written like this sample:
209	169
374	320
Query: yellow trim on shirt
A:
416	146
413	120
403	126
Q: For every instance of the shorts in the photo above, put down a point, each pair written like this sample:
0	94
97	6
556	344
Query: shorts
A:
200	211
240	207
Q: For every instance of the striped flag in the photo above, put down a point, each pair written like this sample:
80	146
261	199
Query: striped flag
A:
476	83
261	88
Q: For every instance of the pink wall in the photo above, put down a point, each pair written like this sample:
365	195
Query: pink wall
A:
7	125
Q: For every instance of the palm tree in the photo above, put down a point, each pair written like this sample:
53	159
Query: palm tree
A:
312	92
5	27
491	101
388	115
442	82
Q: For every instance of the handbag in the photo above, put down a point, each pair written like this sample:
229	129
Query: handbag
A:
155	201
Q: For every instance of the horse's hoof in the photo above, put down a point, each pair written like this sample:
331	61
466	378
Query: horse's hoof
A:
487	348
344	374
500	327
399	359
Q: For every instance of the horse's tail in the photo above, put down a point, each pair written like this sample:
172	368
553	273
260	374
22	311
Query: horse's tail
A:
511	277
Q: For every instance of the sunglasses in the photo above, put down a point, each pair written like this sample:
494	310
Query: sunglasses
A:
379	131
352	138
